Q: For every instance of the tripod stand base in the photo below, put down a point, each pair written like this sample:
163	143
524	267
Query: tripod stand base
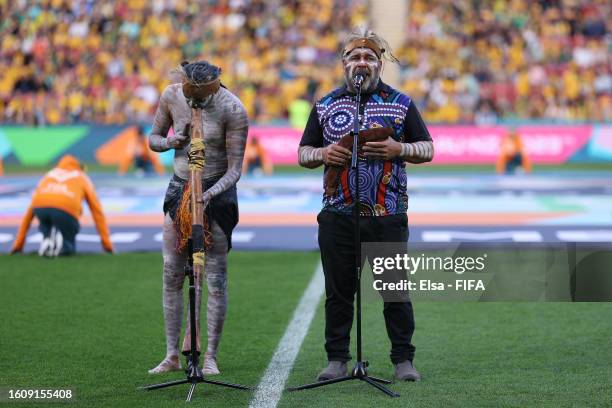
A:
193	378
359	373
193	382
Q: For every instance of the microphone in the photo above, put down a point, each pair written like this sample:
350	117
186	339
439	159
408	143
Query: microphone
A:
359	77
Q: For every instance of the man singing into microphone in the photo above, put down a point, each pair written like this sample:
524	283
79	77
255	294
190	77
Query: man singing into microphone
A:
382	184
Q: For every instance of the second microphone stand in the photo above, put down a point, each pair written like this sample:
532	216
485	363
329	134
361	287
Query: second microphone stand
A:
360	370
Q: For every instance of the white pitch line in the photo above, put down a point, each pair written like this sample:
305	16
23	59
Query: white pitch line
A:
270	389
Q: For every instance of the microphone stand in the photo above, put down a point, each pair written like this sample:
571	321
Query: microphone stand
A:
360	371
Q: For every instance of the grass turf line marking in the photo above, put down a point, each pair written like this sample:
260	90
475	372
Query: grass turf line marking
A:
270	388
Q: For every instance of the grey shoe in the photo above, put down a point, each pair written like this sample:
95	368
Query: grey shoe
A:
405	371
334	369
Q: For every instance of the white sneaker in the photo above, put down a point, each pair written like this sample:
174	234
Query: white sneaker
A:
51	246
58	242
45	245
210	365
167	364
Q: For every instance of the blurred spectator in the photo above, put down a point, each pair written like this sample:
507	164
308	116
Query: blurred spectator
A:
139	154
486	114
512	157
256	159
299	109
484	60
65	61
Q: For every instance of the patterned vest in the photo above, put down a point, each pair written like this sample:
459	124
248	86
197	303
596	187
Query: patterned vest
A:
382	183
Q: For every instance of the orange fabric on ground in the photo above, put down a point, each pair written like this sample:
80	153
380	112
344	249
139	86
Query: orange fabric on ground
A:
64	188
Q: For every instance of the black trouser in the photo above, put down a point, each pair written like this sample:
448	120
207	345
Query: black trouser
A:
62	221
337	244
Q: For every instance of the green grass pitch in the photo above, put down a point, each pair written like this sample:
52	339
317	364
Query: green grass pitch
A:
94	323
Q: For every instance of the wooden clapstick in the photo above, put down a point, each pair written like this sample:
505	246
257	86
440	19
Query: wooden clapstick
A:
369	135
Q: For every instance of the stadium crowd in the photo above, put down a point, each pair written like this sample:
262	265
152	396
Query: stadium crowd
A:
482	60
463	60
107	62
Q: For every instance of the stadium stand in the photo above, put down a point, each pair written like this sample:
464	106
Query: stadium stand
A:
485	60
462	61
107	62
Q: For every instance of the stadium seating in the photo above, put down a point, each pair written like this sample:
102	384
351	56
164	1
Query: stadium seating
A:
462	62
487	60
107	62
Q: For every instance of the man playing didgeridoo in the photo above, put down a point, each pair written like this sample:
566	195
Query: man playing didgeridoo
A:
224	126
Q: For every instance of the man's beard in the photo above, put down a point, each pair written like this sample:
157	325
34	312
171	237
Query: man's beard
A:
370	81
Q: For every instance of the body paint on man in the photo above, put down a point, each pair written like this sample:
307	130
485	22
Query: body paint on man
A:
225	128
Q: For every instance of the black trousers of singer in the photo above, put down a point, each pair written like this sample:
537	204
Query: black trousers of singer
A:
337	244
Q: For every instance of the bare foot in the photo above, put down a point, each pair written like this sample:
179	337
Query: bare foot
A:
210	364
170	363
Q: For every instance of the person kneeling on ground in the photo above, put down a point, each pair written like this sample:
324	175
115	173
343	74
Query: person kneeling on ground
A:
56	204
